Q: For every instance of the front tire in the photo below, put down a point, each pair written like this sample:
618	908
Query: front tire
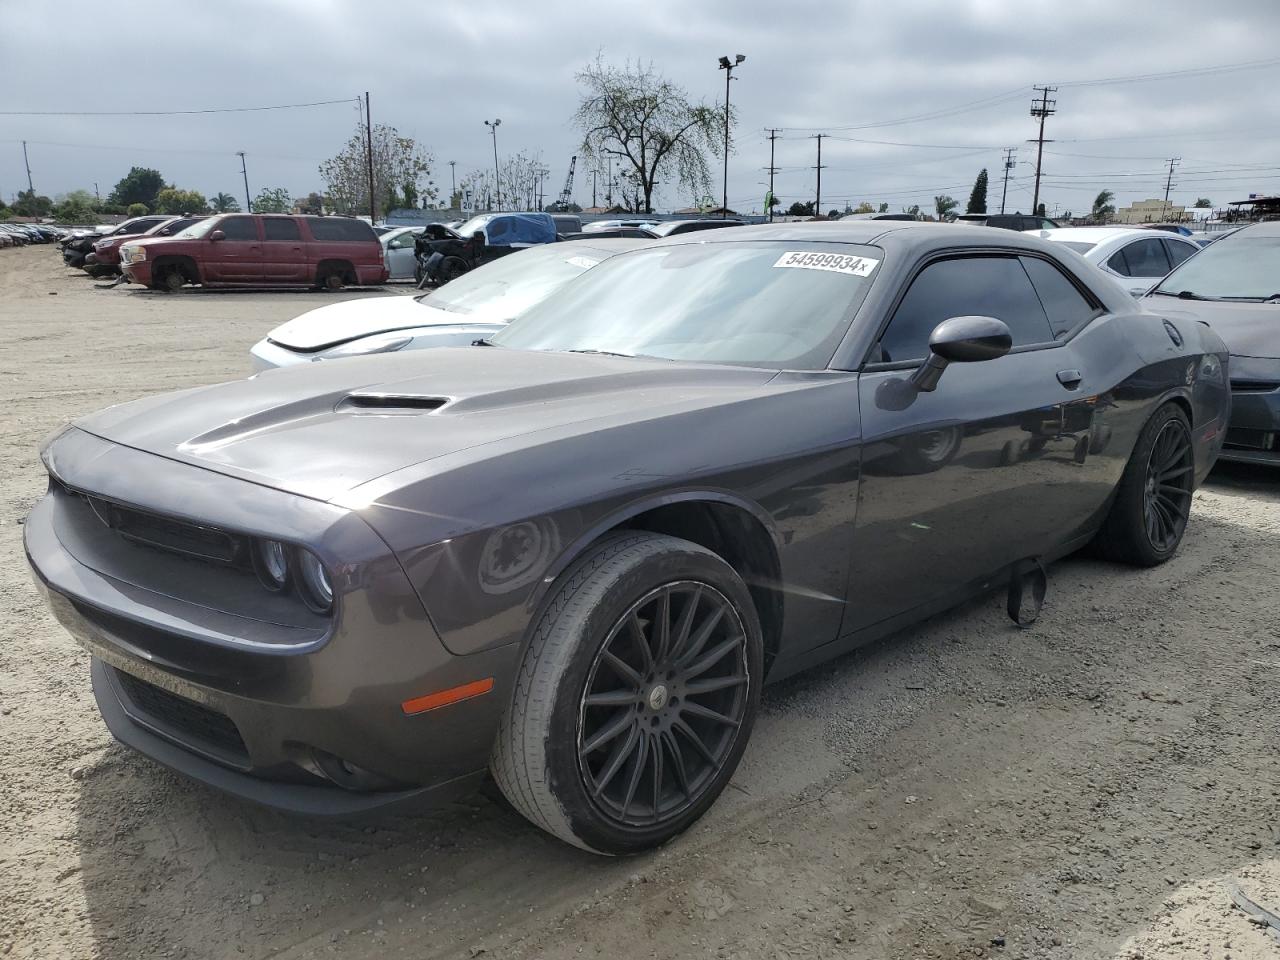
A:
635	697
1153	502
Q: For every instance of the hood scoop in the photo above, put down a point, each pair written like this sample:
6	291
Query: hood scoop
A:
391	402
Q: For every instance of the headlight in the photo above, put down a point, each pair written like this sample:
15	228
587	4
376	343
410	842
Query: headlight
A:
133	254
316	588
380	343
271	561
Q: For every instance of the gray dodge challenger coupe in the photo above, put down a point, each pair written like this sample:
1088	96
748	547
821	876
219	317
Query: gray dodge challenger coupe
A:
571	555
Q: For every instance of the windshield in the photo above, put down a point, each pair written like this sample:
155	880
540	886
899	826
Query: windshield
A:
1236	268
509	285
756	303
198	230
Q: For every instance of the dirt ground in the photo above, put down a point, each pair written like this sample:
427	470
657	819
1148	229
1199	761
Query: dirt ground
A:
1089	787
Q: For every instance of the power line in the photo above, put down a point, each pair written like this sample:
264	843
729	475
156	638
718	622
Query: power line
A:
169	113
1189	72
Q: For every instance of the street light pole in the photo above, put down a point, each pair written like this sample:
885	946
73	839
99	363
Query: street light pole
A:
248	204
497	186
727	67
453	181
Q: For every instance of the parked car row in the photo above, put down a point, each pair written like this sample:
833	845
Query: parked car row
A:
21	234
571	552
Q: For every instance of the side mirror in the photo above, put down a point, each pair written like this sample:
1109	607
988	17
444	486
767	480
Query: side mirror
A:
961	340
217	235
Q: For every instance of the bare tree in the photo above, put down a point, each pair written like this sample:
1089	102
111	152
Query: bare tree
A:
398	162
649	125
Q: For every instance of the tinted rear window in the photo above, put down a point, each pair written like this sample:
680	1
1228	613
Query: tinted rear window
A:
341	229
280	228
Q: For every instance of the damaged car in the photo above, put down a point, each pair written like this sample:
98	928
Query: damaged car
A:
445	254
570	556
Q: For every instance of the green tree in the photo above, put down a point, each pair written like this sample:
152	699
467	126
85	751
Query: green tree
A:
945	207
273	200
649	125
864	207
914	210
139	185
31	204
799	209
312	203
397	161
78	206
175	201
978	196
136	210
225	203
1040	211
884	208
1203	203
1103	210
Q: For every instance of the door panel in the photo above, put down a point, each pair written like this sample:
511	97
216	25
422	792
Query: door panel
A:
238	257
283	257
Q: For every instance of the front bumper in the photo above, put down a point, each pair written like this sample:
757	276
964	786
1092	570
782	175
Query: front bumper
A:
139	272
1253	435
299	716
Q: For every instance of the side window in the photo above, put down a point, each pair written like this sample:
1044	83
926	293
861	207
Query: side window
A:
983	286
239	228
1062	301
1146	258
1047	225
280	228
1178	251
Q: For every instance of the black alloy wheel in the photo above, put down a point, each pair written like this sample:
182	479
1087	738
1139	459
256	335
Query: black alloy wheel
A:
1166	502
663	703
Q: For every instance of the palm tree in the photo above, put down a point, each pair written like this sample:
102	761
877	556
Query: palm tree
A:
1102	207
944	205
224	203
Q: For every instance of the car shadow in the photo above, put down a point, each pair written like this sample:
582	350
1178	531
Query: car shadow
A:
137	291
1253	480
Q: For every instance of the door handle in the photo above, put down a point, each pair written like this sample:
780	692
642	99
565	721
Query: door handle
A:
1070	378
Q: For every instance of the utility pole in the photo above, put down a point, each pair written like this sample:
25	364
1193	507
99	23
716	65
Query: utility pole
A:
727	67
593	188
773	137
368	139
244	171
1168	185
817	204
453	182
1009	164
30	187
1041	108
497	185
95	191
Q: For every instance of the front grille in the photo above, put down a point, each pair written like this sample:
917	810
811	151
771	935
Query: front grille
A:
1254	386
166	533
1263	440
182	717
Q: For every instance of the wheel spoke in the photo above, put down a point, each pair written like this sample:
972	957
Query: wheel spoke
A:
681	639
610	731
656	749
701	637
662	628
1168	489
698	710
641	641
716	654
619	756
696	741
1152	522
1170	474
1171	456
698	687
613	698
640	755
677	761
623	669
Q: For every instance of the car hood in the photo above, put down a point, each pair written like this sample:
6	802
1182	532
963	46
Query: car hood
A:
340	322
1248	329
322	429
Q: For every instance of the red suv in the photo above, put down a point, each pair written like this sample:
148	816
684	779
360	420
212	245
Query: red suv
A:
257	250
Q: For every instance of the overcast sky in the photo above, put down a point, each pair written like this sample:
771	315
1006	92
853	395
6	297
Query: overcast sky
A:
437	71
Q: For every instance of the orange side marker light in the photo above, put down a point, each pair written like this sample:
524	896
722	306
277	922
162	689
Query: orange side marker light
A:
443	698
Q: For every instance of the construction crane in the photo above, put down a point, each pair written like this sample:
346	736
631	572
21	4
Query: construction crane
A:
566	195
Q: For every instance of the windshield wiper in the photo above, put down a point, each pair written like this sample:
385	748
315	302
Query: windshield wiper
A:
1181	295
605	353
484	342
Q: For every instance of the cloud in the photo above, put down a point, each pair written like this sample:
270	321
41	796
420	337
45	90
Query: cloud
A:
437	71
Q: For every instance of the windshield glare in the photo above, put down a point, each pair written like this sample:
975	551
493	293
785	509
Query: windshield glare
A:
762	303
1238	267
474	224
198	230
509	285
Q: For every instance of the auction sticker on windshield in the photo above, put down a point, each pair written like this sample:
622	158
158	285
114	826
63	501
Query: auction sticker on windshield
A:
833	262
582	263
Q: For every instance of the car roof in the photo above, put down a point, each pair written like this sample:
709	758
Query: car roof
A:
899	233
610	245
1268	228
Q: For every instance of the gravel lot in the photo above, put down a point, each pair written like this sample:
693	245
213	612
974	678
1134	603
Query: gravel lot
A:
1085	788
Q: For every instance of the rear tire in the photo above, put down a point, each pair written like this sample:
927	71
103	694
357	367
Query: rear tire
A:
621	732
1153	501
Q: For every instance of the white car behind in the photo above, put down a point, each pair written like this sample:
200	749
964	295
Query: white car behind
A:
1134	257
462	311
